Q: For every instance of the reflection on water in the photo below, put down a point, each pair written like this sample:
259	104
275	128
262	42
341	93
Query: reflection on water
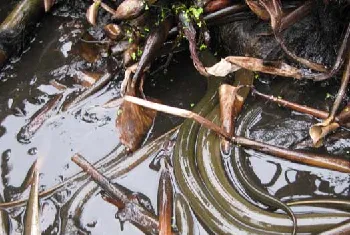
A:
89	129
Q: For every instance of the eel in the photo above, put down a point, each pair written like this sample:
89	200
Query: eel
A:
201	177
184	219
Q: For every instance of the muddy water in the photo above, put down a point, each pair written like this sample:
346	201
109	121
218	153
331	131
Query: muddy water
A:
90	130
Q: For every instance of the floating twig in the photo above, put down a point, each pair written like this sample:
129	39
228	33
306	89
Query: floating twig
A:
132	211
342	89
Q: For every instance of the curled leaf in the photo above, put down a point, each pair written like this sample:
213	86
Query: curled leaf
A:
222	68
230	105
91	13
130	9
258	9
320	130
114	31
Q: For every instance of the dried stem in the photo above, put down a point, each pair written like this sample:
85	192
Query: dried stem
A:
323	161
296	156
340	57
132	211
294	106
296	15
342	118
102	181
153	43
190	33
342	89
165	200
274	8
178	112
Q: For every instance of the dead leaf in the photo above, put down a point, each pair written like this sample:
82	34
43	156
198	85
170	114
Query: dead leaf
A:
114	31
233	63
320	130
88	51
130	9
91	13
222	68
258	9
133	122
230	106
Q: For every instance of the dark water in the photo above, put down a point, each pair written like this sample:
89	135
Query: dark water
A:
276	125
90	130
